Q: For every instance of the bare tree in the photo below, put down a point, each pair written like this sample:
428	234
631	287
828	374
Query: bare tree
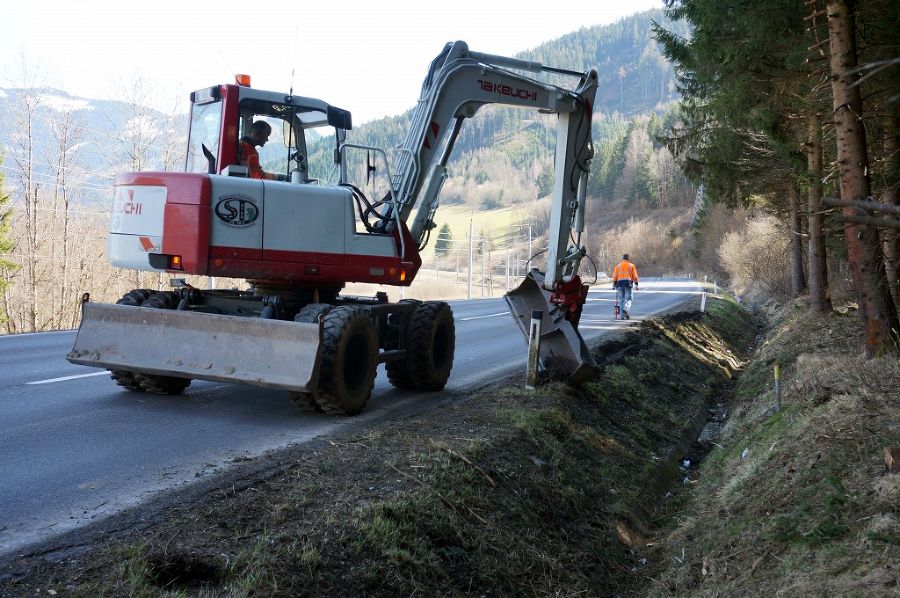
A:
23	106
68	138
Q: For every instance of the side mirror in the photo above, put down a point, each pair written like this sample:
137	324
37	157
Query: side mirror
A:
339	118
287	134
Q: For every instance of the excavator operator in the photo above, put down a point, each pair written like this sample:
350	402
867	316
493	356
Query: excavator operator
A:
624	276
249	157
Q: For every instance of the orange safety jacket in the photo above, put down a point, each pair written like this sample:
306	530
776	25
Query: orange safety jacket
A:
249	157
624	271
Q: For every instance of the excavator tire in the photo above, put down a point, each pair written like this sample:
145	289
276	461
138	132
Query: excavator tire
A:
398	374
309	313
126	380
431	342
349	354
305	401
398	371
156	384
123	378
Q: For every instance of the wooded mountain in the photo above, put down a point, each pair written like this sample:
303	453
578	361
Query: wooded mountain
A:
497	145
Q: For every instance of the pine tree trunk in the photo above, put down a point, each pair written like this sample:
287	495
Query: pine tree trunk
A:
876	306
798	277
819	296
891	195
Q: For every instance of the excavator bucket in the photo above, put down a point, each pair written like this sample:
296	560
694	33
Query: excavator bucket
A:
263	352
563	351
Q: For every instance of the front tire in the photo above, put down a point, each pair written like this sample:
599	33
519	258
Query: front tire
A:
349	359
153	383
123	378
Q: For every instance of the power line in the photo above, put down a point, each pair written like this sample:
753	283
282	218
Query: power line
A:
48	165
80	128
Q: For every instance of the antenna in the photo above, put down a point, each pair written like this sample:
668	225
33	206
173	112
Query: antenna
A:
296	37
228	68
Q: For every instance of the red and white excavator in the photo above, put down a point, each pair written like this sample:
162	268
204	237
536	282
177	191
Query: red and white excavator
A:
298	241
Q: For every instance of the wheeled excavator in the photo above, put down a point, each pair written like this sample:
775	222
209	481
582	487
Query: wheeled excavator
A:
298	240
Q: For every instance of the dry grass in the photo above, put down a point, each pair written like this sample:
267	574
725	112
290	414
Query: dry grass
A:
796	502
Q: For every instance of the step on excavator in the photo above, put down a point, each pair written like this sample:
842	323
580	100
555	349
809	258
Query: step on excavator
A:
298	240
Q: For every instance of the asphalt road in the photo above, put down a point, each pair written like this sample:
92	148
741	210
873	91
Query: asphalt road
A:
75	448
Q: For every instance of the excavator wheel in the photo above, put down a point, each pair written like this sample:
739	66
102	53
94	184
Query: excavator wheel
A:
305	401
309	313
125	379
398	374
430	344
398	371
135	297
349	359
153	383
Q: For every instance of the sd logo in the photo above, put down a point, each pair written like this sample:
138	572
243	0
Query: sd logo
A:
237	210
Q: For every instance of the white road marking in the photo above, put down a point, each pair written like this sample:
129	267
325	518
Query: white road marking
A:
503	313
64	378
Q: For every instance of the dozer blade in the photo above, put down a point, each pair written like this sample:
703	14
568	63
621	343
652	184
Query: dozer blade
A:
562	349
271	353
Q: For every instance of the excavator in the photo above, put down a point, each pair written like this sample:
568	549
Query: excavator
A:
298	241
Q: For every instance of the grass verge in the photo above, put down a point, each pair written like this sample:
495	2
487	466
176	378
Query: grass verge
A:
796	502
507	492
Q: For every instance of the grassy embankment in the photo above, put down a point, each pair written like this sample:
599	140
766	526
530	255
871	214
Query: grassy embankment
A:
797	502
506	492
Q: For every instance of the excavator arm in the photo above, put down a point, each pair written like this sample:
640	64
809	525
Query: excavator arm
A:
459	82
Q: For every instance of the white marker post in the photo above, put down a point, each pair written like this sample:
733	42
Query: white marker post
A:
703	302
534	349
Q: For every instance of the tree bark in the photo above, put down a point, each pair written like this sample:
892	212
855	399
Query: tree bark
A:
876	307
798	277
891	196
819	295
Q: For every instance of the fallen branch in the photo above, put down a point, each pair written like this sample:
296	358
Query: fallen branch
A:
464	459
863	204
868	220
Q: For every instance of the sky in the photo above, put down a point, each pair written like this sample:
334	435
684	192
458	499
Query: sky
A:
368	56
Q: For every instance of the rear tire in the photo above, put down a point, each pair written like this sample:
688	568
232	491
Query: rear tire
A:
349	359
430	345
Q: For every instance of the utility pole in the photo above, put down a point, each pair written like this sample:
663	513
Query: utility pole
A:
471	240
529	248
507	270
483	267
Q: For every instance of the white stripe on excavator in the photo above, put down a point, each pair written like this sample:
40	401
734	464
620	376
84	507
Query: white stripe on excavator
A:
502	313
64	378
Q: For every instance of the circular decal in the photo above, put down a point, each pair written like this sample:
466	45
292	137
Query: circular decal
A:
237	210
